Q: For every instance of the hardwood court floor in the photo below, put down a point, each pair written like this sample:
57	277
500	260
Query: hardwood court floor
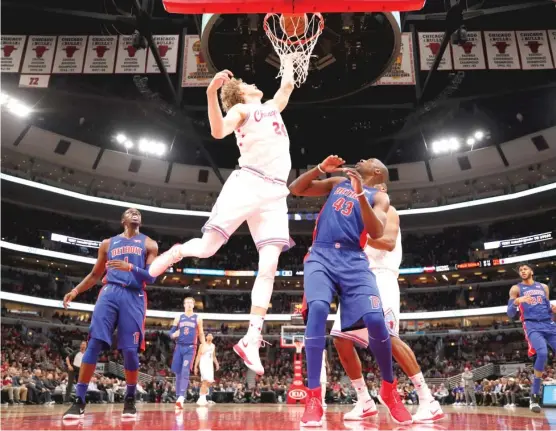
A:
261	417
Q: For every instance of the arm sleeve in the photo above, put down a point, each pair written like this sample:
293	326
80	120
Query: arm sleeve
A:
172	330
512	308
142	274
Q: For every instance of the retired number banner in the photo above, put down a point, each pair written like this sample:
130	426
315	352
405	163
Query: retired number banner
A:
12	52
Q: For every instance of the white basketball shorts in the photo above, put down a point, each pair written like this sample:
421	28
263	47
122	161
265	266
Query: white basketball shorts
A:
249	196
389	289
207	372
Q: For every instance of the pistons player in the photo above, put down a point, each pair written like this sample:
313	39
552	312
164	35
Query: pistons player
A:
185	330
530	298
255	193
336	264
385	257
122	304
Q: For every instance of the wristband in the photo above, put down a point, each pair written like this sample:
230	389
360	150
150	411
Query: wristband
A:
130	267
360	194
320	169
75	291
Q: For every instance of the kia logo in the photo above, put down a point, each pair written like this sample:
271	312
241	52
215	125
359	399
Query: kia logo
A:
298	394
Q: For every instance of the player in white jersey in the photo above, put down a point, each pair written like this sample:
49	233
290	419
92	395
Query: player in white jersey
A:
206	362
385	257
323	377
255	193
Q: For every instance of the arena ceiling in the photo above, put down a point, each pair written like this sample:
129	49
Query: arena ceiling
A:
394	123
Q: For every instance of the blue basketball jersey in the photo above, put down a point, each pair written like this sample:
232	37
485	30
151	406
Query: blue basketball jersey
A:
340	218
540	310
188	329
132	250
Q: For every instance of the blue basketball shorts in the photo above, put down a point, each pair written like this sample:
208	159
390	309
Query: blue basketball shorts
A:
122	308
539	335
184	354
330	271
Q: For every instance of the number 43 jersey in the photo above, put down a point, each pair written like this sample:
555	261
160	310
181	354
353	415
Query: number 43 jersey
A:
340	221
263	141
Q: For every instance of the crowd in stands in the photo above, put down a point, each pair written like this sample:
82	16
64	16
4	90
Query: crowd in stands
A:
452	245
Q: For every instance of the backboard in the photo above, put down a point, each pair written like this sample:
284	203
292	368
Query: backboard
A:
291	6
289	334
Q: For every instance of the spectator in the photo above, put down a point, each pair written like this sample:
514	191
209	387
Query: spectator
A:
73	363
442	394
469	386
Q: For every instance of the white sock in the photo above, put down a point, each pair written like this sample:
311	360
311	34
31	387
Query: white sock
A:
361	388
423	391
255	325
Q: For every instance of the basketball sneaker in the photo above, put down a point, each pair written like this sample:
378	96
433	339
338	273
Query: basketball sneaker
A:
130	411
76	411
248	349
534	403
313	414
165	261
202	401
361	410
390	398
179	402
428	412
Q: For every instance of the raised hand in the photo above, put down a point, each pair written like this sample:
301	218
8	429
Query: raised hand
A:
332	164
356	179
219	80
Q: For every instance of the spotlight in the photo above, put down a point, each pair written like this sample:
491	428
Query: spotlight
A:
470	141
120	138
128	144
479	135
144	145
453	144
18	108
4	98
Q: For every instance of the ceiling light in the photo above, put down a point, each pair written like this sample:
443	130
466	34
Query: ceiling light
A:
471	141
120	138
128	144
479	135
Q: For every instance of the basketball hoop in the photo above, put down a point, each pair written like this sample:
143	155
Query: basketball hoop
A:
298	346
297	39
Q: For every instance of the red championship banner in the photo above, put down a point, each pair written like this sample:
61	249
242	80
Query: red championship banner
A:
101	54
168	50
195	69
501	49
12	52
470	55
130	59
402	71
39	55
70	54
534	49
429	46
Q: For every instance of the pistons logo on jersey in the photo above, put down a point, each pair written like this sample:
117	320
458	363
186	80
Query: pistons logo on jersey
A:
375	302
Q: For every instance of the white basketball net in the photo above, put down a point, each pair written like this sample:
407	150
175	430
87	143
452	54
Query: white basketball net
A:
299	46
298	346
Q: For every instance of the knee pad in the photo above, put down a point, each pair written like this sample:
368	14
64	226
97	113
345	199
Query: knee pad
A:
542	357
94	347
131	359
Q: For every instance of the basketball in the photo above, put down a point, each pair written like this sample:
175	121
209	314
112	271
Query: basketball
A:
293	24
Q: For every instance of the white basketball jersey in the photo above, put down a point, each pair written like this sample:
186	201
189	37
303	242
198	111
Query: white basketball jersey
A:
208	355
383	259
263	141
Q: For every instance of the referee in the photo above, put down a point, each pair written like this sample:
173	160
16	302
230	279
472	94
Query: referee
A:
73	362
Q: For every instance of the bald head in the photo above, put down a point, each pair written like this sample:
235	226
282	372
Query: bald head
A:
373	171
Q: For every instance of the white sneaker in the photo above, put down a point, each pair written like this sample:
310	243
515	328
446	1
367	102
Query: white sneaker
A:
179	403
248	349
428	412
535	407
507	406
362	410
202	401
165	261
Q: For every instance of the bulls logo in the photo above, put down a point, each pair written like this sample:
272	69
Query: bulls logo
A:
163	50
40	50
131	51
434	47
534	46
8	49
70	50
501	46
468	47
298	394
101	50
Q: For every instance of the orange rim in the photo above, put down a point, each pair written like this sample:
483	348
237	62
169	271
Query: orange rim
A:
272	36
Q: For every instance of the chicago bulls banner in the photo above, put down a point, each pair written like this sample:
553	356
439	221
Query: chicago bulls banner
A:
429	45
402	71
70	54
101	54
534	49
12	52
501	48
552	39
130	59
39	55
470	55
168	50
195	69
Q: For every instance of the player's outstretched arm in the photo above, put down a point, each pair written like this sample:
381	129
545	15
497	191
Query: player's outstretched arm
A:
282	96
221	126
307	184
391	231
93	277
